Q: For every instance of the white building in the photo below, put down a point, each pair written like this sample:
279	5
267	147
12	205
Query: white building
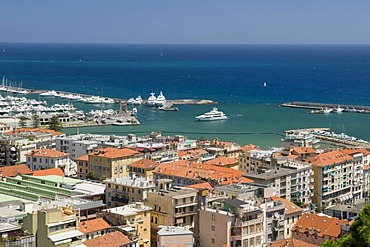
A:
40	159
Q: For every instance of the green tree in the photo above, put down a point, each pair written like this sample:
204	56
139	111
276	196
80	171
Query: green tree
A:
360	229
35	121
54	123
23	121
90	175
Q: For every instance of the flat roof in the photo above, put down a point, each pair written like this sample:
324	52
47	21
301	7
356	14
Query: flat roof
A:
58	179
6	198
272	173
174	230
65	235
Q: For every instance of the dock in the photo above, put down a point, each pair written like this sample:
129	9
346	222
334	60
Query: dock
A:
319	106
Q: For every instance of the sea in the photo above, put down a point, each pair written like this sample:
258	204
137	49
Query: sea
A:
248	82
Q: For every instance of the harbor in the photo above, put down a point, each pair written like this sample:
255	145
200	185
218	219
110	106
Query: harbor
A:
21	103
328	136
327	108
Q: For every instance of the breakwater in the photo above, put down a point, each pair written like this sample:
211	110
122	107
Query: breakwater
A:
318	106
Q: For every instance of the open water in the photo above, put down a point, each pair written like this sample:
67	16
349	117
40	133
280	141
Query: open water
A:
232	75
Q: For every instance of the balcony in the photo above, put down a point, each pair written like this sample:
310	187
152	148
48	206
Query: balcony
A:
120	199
181	214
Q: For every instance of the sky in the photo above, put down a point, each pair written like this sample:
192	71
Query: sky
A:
186	21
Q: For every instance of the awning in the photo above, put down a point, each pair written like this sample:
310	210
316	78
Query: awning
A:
65	235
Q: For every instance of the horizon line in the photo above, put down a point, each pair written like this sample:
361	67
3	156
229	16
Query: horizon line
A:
208	44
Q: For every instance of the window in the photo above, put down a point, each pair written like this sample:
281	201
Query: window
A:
213	241
213	228
288	220
156	220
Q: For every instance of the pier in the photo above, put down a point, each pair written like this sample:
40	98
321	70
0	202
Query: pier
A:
319	106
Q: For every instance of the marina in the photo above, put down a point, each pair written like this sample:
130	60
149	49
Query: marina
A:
16	104
326	135
324	108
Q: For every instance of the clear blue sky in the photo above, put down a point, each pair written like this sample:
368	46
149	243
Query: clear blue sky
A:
186	21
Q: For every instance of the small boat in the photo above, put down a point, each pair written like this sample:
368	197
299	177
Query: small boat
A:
151	100
134	112
338	109
213	115
49	94
161	100
326	110
265	84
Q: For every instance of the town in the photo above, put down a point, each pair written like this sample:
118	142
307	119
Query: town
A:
156	190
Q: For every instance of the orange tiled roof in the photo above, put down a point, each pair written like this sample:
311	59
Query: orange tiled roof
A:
44	152
290	207
304	150
112	153
204	185
321	224
196	171
366	167
351	151
144	164
83	158
12	171
364	151
221	161
292	242
115	239
47	172
21	130
93	225
195	152
250	147
329	158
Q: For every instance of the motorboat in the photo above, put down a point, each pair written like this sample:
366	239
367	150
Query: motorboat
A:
213	115
130	101
138	100
326	110
134	112
151	100
161	100
49	94
338	109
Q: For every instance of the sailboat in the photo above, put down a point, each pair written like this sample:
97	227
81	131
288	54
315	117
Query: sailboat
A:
265	84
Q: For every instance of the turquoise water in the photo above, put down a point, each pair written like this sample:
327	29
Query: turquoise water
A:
231	75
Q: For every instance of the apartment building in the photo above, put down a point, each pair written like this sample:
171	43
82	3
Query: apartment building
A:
317	228
111	162
142	168
39	159
172	207
129	189
251	161
293	181
134	217
291	215
231	222
336	179
54	226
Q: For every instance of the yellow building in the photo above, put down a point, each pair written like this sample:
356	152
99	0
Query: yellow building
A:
142	168
111	162
172	207
54	227
135	216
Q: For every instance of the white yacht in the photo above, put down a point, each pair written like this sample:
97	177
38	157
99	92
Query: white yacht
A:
138	100
130	101
339	109
151	100
49	93
161	100
213	115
